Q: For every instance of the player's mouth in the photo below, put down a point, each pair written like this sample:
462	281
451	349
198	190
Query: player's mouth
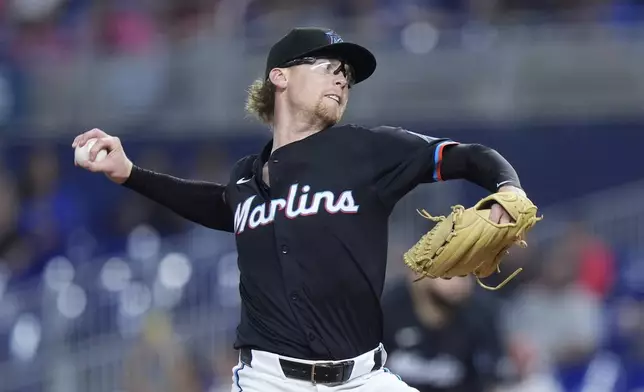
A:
334	97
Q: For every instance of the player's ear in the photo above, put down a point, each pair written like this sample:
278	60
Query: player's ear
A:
278	77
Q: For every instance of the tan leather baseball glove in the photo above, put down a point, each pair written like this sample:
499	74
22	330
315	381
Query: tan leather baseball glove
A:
468	242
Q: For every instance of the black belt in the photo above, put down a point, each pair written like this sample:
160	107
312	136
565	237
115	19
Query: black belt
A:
317	373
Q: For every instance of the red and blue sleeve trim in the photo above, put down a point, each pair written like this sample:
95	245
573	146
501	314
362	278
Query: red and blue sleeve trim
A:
438	159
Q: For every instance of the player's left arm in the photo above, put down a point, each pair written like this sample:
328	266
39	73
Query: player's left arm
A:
406	159
480	165
485	167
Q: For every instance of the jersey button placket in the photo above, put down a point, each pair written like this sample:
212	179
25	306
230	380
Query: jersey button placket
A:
290	268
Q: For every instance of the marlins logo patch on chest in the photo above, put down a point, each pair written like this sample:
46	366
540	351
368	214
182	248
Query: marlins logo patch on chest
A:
299	202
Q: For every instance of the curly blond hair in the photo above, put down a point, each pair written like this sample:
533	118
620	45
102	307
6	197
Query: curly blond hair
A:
260	102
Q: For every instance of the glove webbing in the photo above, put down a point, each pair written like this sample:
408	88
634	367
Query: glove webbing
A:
457	211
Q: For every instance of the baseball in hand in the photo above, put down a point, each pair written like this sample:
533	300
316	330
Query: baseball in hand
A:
81	154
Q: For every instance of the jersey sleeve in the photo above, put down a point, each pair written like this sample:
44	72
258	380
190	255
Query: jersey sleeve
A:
198	201
403	159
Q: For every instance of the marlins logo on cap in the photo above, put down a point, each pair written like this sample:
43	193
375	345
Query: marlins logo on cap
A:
334	38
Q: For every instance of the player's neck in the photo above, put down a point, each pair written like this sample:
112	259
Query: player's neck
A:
288	135
292	128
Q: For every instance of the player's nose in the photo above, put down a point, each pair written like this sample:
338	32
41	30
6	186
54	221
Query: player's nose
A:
341	80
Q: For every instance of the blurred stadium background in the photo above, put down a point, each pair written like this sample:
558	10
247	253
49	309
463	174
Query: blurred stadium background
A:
101	290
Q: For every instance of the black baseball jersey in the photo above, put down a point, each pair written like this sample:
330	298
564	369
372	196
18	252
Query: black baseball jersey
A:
312	246
463	355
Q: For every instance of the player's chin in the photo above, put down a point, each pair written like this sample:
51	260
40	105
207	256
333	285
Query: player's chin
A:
331	116
332	120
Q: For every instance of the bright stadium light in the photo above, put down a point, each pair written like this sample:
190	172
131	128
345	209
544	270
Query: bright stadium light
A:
165	297
228	271
29	10
135	300
59	273
143	243
25	337
419	37
174	270
71	301
115	274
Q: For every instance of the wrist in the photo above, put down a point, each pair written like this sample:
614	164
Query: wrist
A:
512	188
123	177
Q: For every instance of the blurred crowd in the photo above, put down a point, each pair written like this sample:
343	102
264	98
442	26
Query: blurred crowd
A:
127	55
45	207
50	30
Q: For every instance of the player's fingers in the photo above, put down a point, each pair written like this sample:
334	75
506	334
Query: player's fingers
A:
106	143
505	218
78	139
81	139
495	213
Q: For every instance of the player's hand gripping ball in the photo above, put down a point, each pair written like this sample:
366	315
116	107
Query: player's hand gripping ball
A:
99	152
468	242
81	153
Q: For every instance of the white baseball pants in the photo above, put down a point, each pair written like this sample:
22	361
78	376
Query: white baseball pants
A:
265	375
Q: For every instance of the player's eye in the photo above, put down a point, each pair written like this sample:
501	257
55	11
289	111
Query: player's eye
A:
347	71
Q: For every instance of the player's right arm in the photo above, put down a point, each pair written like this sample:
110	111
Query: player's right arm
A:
198	201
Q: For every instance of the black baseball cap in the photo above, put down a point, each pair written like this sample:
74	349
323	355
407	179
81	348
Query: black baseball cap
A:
311	42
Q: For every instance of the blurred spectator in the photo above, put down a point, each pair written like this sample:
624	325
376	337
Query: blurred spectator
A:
133	53
13	102
554	316
629	329
626	307
51	208
15	249
440	337
160	363
528	377
596	260
186	18
525	258
126	27
626	11
569	11
39	36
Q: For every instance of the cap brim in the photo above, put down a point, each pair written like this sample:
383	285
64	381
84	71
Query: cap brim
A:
361	59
